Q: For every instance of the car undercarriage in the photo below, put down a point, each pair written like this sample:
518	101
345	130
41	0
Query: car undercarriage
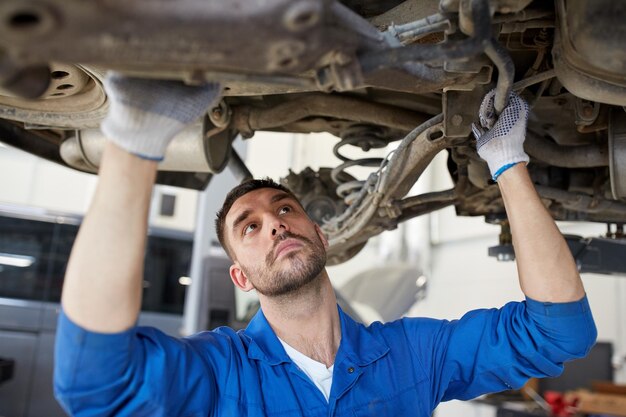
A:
369	72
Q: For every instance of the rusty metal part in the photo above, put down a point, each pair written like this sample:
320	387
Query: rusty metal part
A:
459	110
554	116
600	123
274	34
469	22
506	7
408	163
566	205
43	143
371	7
317	193
471	18
286	47
523	26
218	138
75	98
506	73
248	119
186	153
450	50
238	167
426	203
581	202
281	46
364	137
377	207
585	86
584	156
588	61
408	31
26	83
617	153
413	35
524	16
504	251
405	12
586	112
534	79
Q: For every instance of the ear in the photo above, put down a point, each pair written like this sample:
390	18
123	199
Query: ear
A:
239	278
321	235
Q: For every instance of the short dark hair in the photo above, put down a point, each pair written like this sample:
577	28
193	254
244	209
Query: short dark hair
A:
237	192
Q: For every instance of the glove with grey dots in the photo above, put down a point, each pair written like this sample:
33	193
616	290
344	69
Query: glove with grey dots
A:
500	139
145	115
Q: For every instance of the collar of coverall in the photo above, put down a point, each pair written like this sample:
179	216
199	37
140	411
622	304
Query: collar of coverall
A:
357	344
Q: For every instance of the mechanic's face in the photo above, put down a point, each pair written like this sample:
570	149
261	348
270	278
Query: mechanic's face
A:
276	247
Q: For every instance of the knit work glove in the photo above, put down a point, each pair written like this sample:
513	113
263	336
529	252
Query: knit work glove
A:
500	139
145	115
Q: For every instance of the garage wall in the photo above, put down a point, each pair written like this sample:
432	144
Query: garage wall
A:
271	154
27	180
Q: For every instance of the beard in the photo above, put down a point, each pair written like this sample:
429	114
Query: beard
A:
304	267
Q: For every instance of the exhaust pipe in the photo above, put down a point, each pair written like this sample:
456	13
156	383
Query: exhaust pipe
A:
187	152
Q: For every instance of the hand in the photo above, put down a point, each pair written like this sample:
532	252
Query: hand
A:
145	115
500	140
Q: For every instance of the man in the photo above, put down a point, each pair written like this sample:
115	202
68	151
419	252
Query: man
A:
300	355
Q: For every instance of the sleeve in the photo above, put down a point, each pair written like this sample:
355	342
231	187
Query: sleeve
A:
140	371
499	349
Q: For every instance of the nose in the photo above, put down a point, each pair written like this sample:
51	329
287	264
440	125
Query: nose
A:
277	226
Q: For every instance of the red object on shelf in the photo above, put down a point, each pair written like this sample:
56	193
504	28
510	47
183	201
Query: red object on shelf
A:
559	406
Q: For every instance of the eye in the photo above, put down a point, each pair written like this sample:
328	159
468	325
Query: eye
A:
249	228
284	209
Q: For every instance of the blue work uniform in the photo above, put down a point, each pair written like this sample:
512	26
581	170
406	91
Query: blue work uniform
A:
402	368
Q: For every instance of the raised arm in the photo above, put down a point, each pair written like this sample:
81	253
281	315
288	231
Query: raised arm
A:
546	268
498	349
102	289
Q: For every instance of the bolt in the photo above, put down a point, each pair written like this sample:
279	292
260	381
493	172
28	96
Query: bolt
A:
286	49
456	120
587	111
301	16
341	58
285	54
217	112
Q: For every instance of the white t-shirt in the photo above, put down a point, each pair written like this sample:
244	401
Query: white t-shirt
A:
321	376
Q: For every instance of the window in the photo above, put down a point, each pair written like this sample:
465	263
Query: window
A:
34	256
64	237
166	271
25	258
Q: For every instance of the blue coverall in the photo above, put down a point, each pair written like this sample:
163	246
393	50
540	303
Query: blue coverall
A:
403	368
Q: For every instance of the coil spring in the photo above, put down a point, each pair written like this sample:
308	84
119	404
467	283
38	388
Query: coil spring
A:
365	138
